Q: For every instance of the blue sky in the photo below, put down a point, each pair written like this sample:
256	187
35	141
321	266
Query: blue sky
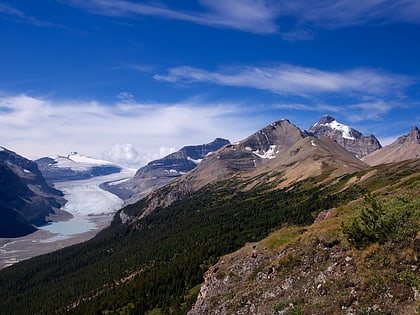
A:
134	80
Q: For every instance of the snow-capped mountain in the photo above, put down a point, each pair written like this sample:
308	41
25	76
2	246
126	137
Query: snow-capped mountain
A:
26	200
74	166
351	139
404	148
160	172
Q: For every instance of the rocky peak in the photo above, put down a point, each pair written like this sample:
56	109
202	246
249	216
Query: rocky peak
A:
412	137
281	133
351	139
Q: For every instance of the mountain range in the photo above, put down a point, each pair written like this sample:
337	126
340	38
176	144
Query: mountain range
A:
285	221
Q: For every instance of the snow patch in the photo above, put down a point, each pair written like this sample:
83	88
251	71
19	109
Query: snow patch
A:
1	149
117	182
26	171
345	130
78	162
194	161
269	154
248	148
313	143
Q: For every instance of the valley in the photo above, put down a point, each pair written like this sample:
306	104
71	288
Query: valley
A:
92	209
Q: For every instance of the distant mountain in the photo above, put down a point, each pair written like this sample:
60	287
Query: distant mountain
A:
26	201
280	150
404	148
351	139
160	172
74	167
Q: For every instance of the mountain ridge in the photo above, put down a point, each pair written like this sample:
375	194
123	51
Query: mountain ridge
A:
404	147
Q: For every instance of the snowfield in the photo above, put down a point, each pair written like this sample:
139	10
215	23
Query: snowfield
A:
85	197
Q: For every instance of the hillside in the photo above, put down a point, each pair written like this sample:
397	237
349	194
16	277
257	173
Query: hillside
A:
359	258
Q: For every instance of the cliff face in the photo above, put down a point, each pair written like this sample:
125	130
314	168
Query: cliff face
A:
351	139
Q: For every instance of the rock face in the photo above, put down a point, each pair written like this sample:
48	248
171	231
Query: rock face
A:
352	140
74	167
404	148
26	200
160	172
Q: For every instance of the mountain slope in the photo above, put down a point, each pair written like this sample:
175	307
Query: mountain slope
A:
319	269
404	148
160	172
74	167
351	139
25	198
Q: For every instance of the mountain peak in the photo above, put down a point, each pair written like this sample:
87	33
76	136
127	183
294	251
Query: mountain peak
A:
414	134
351	139
326	119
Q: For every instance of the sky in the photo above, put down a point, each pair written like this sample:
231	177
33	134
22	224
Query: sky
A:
132	81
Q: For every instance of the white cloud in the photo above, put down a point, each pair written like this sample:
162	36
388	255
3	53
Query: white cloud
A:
37	127
293	80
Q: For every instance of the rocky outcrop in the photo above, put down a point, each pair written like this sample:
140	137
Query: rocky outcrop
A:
26	200
404	148
351	139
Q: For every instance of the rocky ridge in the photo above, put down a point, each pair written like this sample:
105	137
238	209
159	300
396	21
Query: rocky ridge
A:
404	148
351	139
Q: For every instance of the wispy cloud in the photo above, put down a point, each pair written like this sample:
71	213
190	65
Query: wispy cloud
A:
19	16
293	80
342	13
290	19
246	15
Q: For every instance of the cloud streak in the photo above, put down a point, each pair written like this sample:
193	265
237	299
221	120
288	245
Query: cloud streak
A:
293	80
291	19
21	17
246	15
